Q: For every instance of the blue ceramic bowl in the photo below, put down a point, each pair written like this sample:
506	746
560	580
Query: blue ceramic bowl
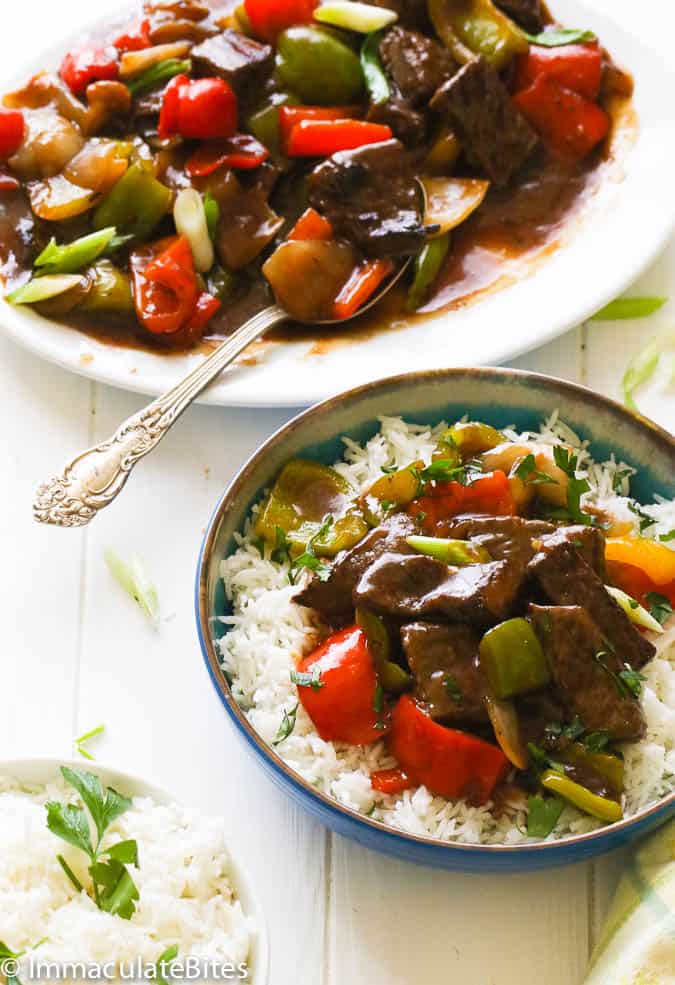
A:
500	397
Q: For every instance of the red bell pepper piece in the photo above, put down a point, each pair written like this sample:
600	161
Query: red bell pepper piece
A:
136	37
202	109
270	17
446	761
569	124
89	63
8	183
207	306
241	152
164	286
290	116
362	284
573	66
342	701
321	138
311	225
489	494
11	132
636	583
390	781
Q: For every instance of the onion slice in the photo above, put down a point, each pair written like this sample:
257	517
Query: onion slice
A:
450	201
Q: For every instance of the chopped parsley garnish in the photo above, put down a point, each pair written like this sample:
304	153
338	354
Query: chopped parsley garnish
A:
571	731
567	461
281	551
555	37
667	537
618	477
287	725
645	519
446	470
421	516
597	741
386	505
308	559
660	607
542	758
543	815
312	680
388	469
452	688
631	680
528	472
113	889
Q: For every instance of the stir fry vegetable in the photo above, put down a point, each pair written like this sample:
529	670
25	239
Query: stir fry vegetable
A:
512	659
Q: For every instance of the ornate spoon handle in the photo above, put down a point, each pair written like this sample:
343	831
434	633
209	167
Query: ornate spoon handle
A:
93	478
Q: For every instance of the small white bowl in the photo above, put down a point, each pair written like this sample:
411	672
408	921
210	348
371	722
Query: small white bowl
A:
33	770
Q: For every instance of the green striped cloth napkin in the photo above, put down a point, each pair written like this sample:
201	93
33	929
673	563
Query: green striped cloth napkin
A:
637	946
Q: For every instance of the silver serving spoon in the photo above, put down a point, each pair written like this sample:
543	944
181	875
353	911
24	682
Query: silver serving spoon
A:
92	480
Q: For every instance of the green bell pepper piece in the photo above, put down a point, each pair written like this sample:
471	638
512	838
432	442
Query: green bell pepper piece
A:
393	678
109	289
340	535
320	68
427	267
377	82
611	767
73	257
473	438
264	123
477	27
305	491
455	552
591	803
512	659
136	204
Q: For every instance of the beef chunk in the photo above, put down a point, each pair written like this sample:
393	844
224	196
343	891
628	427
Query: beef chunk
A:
536	710
565	578
478	593
572	642
370	197
419	587
416	65
333	598
526	13
240	61
588	541
406	122
443	659
505	538
495	136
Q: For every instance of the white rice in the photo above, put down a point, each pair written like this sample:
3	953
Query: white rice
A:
268	633
184	882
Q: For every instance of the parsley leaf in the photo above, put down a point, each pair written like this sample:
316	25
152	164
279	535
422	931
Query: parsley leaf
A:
452	688
667	537
543	815
528	472
312	680
447	470
632	680
308	558
645	519
597	741
567	461
287	725
281	551
558	36
113	888
660	607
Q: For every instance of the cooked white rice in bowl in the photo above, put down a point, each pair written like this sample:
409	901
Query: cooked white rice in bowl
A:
189	894
268	633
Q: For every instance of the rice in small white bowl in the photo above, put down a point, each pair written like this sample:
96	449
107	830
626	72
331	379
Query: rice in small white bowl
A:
193	896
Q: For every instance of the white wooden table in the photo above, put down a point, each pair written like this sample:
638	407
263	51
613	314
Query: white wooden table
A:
76	653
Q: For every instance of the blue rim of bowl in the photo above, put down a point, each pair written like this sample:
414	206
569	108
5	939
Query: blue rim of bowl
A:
271	759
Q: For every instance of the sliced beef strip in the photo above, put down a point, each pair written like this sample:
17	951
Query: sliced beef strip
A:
437	654
333	598
505	538
571	641
419	587
242	62
415	64
370	197
566	579
528	14
495	136
536	710
588	541
406	122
